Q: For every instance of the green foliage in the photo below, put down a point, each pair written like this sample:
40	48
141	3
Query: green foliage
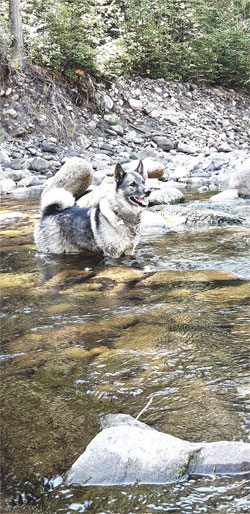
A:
191	40
59	38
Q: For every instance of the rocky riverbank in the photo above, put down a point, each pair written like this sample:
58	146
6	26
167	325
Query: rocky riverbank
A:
189	136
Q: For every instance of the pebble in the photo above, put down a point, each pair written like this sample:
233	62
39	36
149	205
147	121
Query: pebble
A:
135	104
11	112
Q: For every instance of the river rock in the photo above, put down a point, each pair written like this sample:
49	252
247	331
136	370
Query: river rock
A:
48	147
228	194
189	149
240	179
7	185
164	143
17	175
29	181
166	195
127	451
135	104
106	102
195	216
19	131
127	454
221	458
39	164
153	168
10	218
74	176
152	221
4	157
11	112
132	137
118	129
100	161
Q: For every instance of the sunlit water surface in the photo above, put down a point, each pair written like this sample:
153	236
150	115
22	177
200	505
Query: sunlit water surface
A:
84	337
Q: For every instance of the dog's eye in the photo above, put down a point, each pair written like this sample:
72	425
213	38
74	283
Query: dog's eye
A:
132	184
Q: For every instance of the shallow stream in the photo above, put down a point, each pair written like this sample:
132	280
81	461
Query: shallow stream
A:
84	337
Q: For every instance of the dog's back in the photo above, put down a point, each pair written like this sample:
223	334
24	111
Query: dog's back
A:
63	228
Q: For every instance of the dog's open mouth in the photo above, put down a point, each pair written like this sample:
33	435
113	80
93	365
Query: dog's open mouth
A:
140	200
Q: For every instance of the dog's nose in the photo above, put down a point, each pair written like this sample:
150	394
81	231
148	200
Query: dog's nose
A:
147	192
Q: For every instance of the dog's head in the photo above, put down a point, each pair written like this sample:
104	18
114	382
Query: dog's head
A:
132	183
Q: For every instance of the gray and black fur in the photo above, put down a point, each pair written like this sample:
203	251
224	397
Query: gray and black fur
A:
112	227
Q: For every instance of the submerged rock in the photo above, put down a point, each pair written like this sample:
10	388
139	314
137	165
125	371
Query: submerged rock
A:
9	218
131	453
193	216
128	452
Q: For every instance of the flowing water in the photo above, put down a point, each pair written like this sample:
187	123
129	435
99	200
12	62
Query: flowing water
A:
83	337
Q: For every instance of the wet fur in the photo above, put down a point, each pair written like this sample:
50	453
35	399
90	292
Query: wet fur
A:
111	228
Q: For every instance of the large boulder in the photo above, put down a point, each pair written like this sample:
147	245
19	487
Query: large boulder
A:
153	168
131	453
240	179
127	451
75	176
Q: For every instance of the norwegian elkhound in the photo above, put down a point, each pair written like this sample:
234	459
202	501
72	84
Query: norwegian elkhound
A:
112	227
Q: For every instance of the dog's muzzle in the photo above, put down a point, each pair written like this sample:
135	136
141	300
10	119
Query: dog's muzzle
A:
142	201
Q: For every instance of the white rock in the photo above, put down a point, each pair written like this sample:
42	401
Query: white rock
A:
240	179
11	112
106	102
130	452
151	221
8	91
178	172
7	185
135	104
154	114
167	195
4	157
228	194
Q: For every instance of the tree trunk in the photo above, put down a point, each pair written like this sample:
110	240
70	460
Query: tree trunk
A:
4	65
17	55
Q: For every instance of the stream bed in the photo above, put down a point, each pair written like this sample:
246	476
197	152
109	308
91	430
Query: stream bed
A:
83	337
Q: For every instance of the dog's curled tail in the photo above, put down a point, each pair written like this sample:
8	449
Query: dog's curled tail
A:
56	199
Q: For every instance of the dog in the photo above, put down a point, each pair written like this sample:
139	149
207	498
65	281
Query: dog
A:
112	227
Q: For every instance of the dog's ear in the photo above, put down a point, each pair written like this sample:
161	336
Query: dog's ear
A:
119	173
140	169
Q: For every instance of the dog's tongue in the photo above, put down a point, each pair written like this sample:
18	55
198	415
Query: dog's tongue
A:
143	200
